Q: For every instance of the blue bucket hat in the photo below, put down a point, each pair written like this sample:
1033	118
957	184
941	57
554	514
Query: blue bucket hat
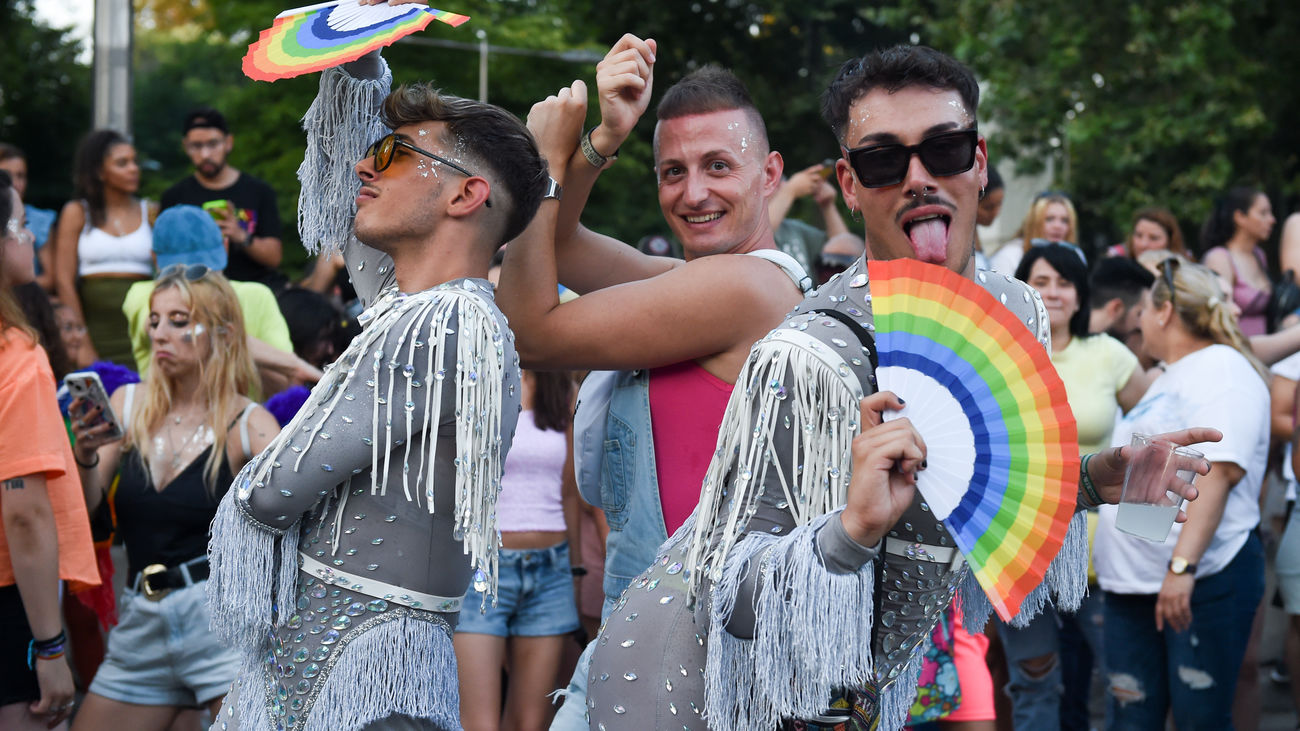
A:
188	235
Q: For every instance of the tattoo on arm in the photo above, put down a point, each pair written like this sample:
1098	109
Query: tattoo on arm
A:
15	483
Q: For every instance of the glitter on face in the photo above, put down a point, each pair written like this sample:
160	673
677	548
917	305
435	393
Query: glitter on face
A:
193	333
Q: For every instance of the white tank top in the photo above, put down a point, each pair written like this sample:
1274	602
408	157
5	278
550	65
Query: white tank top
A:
100	252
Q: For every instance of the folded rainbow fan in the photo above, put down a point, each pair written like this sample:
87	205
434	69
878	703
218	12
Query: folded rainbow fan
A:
316	37
1002	446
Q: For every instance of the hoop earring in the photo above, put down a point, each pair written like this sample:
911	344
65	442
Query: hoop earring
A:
981	193
854	215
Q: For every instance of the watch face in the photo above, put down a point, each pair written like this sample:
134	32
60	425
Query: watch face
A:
1178	565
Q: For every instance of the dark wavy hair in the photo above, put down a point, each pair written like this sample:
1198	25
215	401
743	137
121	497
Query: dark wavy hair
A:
1220	226
86	180
1067	262
493	143
893	69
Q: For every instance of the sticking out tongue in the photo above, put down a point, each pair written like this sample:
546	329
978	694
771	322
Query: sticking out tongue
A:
930	240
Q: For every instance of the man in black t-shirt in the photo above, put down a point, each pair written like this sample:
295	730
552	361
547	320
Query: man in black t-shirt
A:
244	206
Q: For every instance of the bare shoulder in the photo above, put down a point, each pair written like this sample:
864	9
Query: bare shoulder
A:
1216	257
73	213
118	399
262	427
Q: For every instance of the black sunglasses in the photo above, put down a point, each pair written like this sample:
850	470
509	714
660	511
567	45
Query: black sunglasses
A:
191	272
880	166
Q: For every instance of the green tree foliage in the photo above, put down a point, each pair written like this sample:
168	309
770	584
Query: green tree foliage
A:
44	100
1166	103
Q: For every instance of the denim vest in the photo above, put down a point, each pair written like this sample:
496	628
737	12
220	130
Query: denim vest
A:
629	486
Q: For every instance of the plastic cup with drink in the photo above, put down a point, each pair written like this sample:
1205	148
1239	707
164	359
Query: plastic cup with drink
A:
1148	505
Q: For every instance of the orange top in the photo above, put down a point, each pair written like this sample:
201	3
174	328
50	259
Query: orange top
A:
33	440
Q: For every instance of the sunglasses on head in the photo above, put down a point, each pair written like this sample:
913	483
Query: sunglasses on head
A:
1167	268
191	272
944	154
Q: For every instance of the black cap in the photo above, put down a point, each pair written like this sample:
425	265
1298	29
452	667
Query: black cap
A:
204	117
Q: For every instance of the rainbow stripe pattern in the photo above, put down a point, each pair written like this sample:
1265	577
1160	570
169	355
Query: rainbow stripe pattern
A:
1011	518
316	37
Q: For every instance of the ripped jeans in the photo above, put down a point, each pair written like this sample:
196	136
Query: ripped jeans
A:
1191	673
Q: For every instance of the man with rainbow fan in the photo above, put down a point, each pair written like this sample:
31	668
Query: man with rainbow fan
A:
800	573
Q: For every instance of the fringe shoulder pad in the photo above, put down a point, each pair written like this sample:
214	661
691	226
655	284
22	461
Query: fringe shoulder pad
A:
423	360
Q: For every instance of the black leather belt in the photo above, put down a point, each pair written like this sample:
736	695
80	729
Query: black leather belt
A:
155	581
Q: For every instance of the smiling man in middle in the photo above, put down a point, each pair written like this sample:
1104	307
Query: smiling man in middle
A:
676	331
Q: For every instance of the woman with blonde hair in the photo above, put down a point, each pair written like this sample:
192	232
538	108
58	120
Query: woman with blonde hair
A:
189	427
1162	602
1051	219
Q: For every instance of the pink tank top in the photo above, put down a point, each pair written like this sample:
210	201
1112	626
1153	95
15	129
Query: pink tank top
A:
530	488
686	408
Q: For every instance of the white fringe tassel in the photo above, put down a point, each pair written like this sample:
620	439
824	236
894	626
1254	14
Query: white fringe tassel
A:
1066	583
372	680
790	369
479	373
253	570
340	123
812	633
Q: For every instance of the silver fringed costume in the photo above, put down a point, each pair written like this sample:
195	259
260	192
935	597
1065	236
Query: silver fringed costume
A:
761	609
340	559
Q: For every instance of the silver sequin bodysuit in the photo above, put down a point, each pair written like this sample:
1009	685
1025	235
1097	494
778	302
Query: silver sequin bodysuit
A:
370	501
807	610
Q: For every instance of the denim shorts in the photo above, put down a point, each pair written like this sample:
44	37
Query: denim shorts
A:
534	596
163	654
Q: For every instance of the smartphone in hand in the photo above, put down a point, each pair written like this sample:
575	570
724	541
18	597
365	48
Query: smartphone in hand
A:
86	385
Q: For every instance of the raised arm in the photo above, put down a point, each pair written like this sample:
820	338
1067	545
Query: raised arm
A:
588	260
342	121
710	306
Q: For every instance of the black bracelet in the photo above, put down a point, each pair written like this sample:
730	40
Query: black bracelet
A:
55	641
83	464
578	570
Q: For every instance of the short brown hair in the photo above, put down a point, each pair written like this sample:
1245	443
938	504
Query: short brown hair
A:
707	90
489	139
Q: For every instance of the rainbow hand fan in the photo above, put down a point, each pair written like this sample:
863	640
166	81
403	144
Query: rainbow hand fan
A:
1002	447
316	37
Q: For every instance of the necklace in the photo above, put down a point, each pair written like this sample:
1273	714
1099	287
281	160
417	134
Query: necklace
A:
169	455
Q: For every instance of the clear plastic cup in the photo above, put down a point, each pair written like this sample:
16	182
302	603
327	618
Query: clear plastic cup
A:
1147	507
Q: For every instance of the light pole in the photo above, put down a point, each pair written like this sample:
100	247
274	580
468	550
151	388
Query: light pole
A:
112	70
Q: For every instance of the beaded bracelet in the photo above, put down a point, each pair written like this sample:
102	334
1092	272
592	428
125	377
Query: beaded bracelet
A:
51	649
1087	490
